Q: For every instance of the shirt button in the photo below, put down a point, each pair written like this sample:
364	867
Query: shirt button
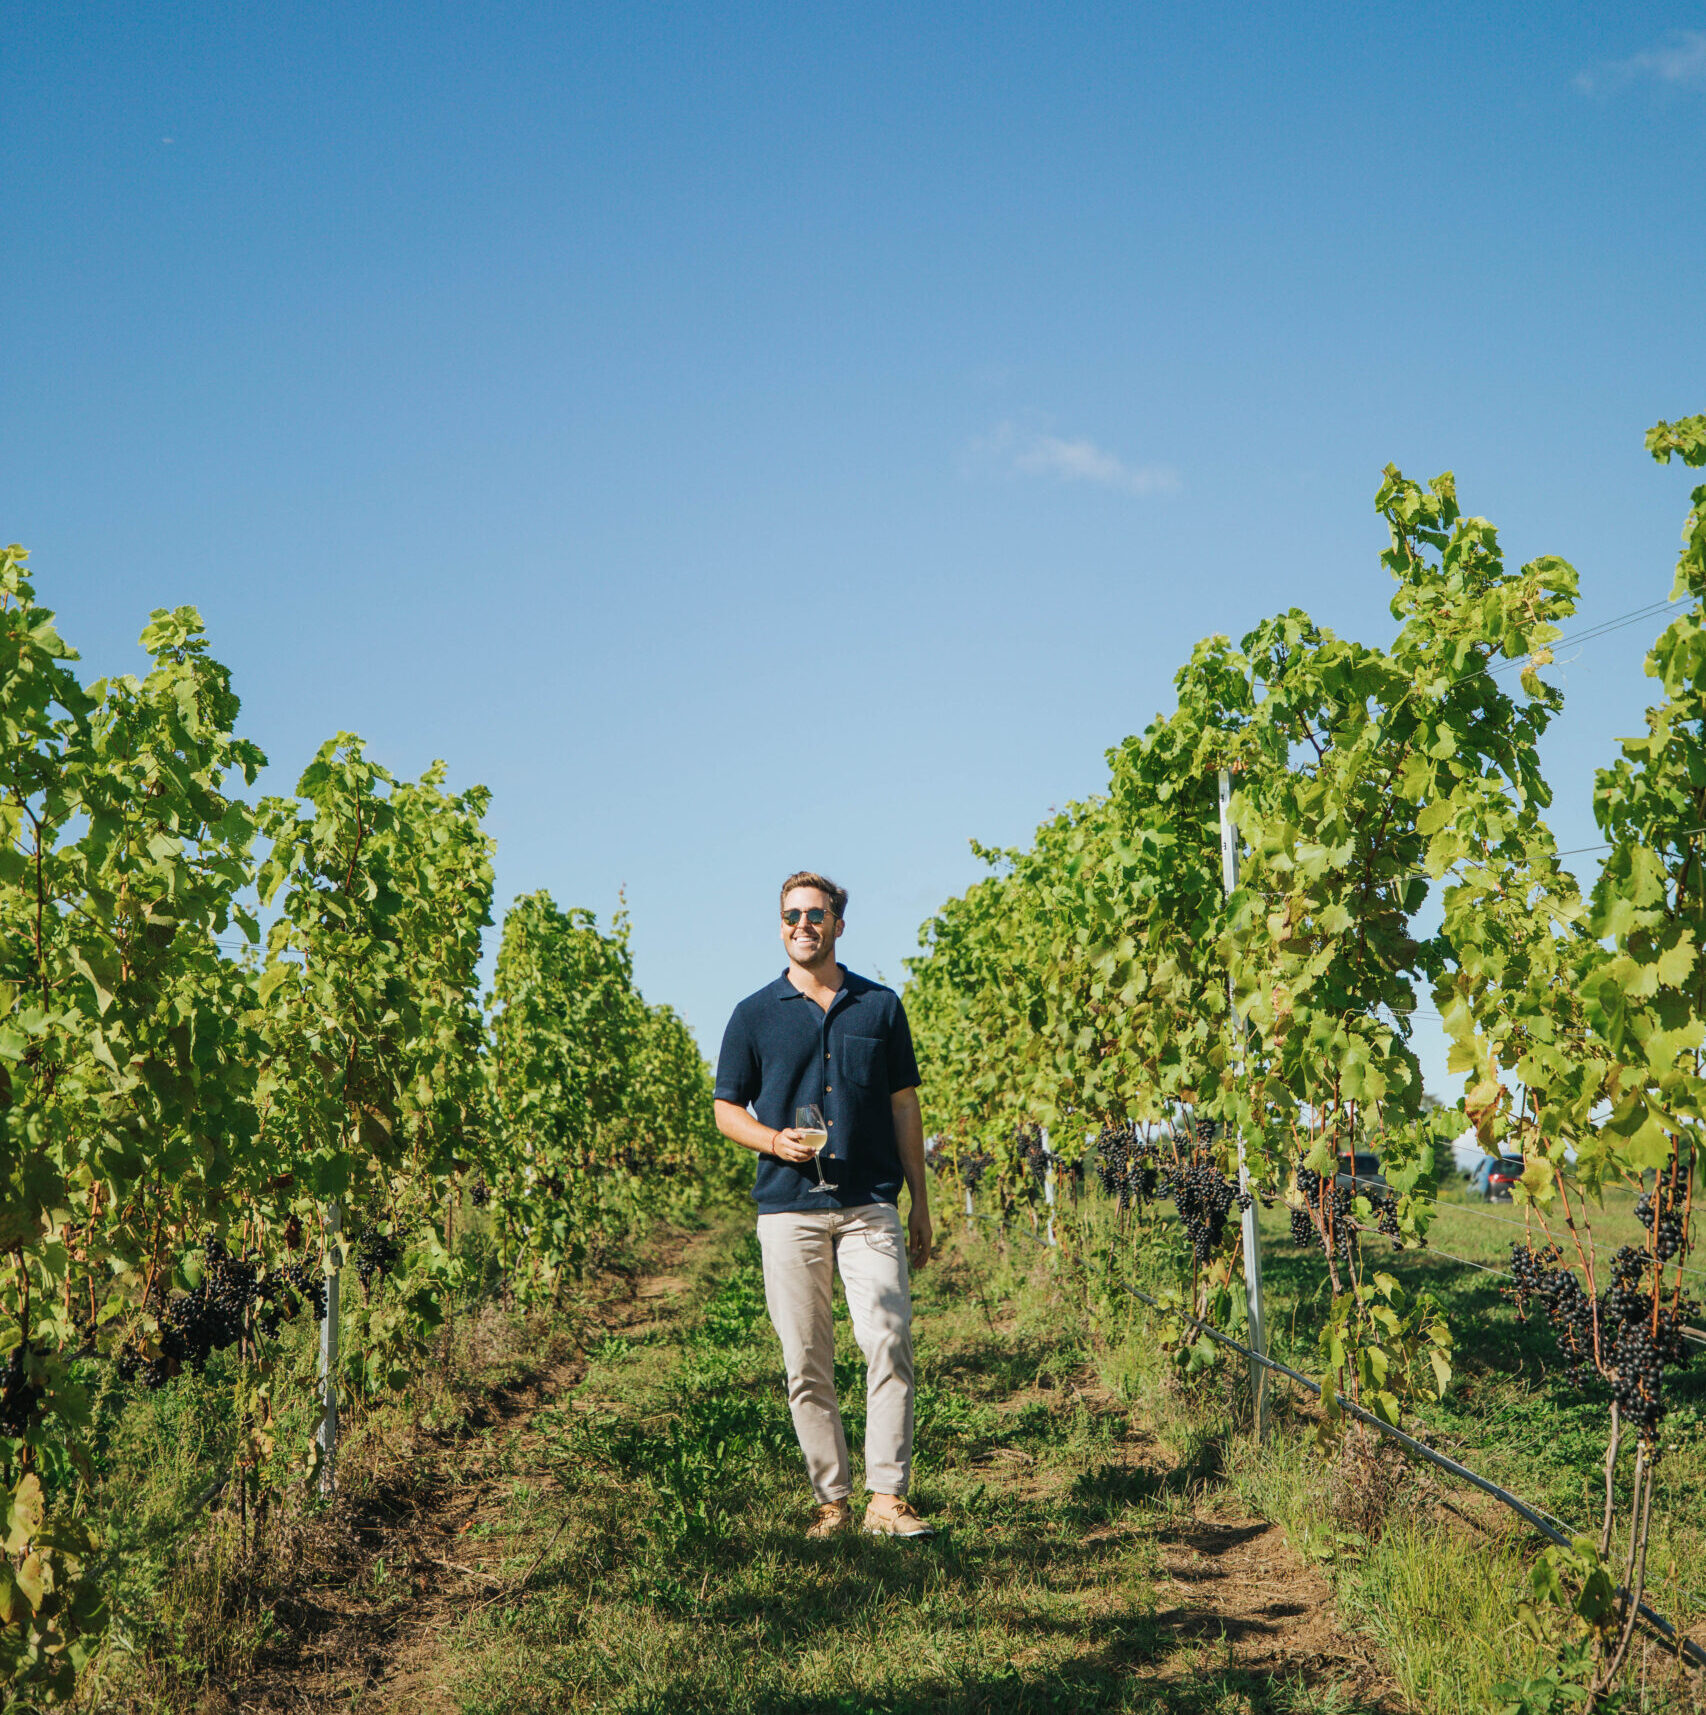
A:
829	1089
832	1122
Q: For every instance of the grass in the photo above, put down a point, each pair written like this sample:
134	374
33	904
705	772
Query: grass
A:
632	1540
678	1578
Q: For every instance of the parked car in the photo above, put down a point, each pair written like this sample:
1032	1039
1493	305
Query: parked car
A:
1501	1176
1365	1173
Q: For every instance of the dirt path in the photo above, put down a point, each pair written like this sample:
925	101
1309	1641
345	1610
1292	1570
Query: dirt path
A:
1239	1584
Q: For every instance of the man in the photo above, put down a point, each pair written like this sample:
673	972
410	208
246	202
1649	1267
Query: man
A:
822	1036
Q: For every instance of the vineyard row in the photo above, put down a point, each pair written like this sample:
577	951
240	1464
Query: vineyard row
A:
1234	1025
204	1123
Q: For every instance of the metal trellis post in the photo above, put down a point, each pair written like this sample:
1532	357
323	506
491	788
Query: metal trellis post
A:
1048	1184
1252	1231
327	1434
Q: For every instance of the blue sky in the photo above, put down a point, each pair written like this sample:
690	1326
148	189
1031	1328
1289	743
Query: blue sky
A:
754	436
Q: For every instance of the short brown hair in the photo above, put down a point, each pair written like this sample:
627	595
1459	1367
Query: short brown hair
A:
837	896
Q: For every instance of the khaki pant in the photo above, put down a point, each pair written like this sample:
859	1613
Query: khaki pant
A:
801	1252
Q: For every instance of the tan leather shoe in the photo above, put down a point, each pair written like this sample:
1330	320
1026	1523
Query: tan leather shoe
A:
896	1519
831	1518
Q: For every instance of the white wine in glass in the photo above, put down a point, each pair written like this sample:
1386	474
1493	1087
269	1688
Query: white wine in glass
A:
808	1122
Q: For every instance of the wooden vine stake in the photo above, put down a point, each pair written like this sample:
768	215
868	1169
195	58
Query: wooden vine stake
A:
1252	1231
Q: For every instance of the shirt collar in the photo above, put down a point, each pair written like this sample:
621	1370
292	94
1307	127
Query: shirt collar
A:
782	989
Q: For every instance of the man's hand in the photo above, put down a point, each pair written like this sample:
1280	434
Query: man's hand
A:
789	1145
741	1127
919	1236
909	1141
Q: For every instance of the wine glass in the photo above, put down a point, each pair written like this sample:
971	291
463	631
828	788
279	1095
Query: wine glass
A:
808	1121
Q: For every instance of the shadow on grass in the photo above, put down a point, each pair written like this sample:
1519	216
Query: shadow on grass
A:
1104	1683
1178	1659
1018	1694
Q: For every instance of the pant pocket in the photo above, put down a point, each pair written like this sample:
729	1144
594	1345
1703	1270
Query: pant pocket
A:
883	1237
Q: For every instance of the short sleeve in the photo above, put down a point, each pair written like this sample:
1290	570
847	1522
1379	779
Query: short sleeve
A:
903	1062
738	1076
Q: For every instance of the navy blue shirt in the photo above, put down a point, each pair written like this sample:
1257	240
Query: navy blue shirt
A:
782	1051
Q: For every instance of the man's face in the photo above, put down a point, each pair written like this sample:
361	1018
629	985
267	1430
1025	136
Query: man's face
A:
807	942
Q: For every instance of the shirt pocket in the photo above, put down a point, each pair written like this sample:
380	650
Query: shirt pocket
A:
862	1060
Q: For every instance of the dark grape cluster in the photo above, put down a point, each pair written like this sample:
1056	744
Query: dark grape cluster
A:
1640	1332
479	1193
1028	1140
1111	1150
1385	1207
1143	1175
1330	1210
1568	1308
973	1168
1643	1334
1127	1165
1206	1132
285	1291
212	1318
1637	1376
20	1393
1625	1301
1527	1265
1204	1196
376	1254
1660	1216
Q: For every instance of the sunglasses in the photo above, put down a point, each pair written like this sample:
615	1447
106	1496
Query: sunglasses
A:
814	916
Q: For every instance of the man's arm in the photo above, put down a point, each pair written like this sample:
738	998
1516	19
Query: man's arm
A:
909	1140
738	1126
